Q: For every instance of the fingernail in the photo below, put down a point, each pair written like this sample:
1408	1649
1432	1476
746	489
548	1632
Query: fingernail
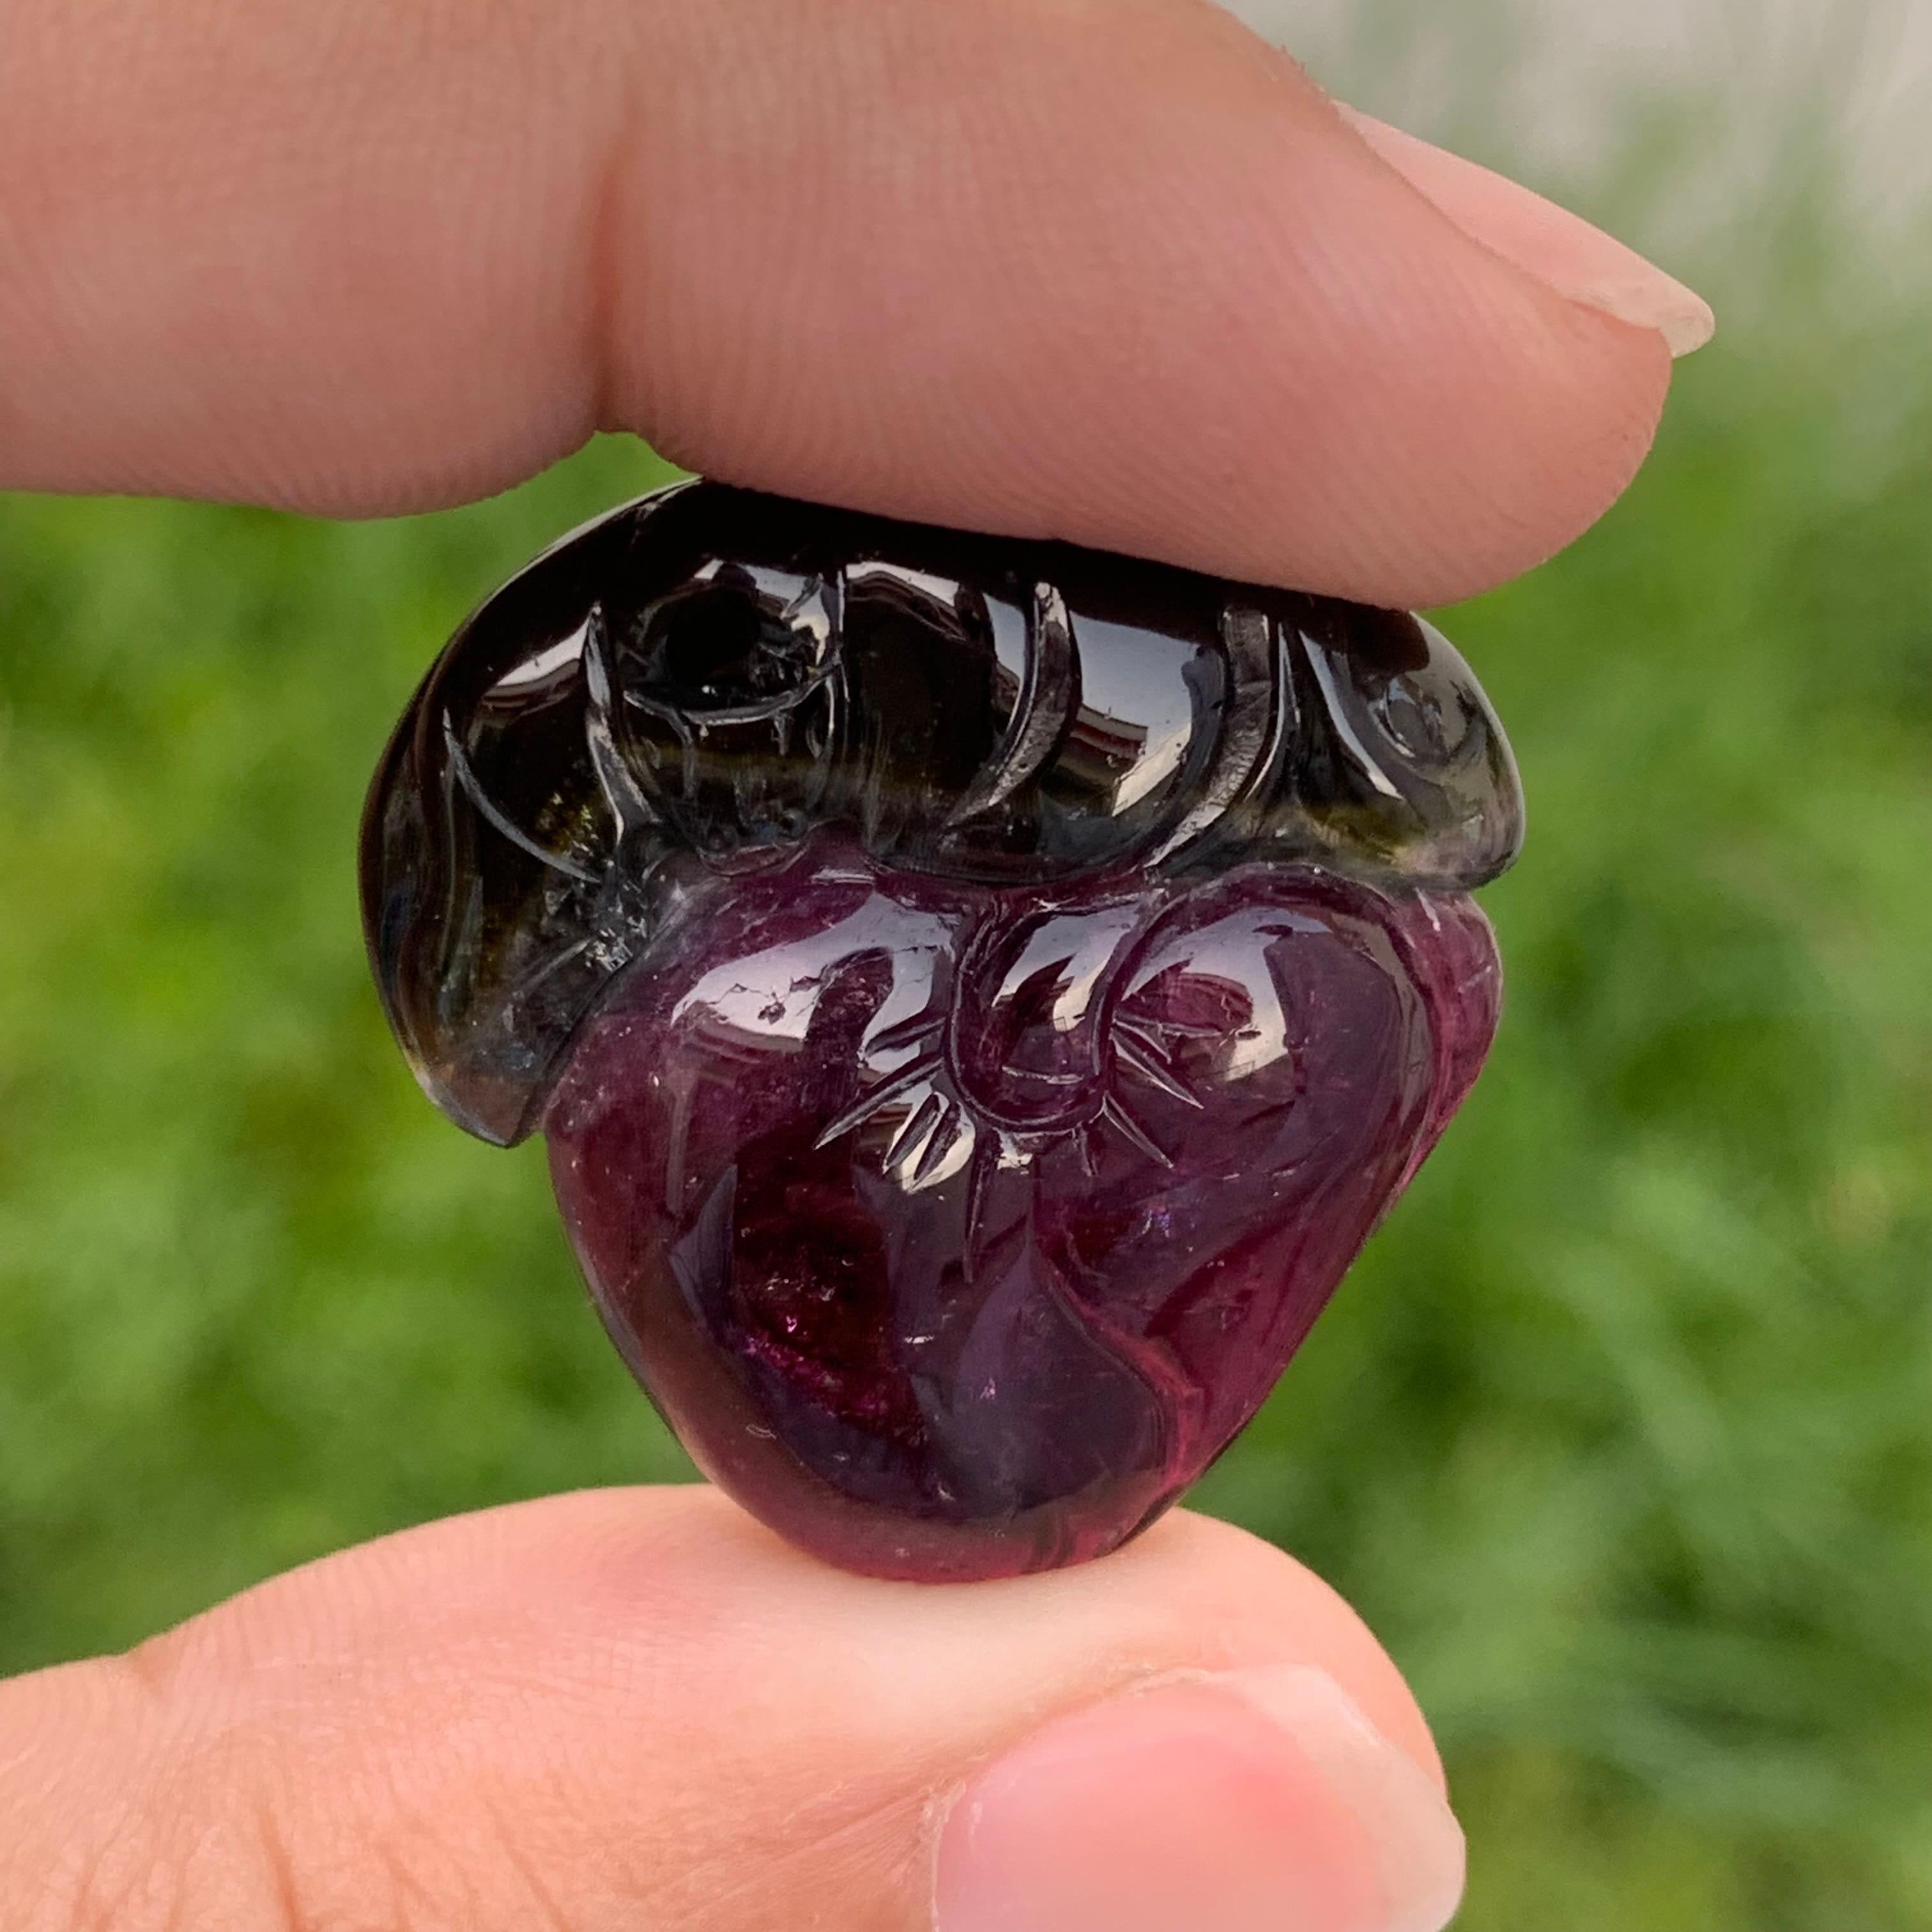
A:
1579	261
1251	1800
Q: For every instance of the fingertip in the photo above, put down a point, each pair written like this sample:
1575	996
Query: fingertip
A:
1547	241
1220	1802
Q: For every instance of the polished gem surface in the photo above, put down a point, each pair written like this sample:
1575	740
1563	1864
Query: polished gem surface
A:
978	996
956	1234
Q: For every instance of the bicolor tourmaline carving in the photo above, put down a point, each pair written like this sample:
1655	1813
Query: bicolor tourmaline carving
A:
979	995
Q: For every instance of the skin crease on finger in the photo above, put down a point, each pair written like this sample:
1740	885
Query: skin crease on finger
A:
977	263
618	1707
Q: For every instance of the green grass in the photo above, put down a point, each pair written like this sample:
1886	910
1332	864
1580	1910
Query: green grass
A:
1621	1433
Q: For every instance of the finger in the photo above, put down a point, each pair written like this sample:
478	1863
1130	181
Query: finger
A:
1549	242
637	1708
1116	272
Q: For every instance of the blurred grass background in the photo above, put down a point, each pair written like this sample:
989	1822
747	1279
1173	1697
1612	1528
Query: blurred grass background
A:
1620	1434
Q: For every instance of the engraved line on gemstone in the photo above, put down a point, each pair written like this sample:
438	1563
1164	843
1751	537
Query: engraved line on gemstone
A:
535	672
1117	1116
819	609
1138	1059
684	1098
780	704
978	1188
935	1161
605	735
1321	664
838	704
942	590
920	1122
923	1029
555	963
1048	694
472	789
1252	706
888	1091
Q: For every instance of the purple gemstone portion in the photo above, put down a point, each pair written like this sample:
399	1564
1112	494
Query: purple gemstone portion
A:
956	1228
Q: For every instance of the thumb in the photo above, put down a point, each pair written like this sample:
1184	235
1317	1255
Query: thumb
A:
634	1708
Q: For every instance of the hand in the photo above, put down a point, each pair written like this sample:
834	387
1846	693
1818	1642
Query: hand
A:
1110	271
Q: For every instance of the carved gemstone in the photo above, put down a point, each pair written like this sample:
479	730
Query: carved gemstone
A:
979	995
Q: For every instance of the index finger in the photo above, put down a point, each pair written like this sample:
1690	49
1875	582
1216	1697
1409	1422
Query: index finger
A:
1117	273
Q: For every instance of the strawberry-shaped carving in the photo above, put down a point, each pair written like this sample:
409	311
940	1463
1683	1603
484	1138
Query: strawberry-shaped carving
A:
979	996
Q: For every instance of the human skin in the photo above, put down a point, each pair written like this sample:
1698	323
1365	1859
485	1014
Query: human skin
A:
1107	270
